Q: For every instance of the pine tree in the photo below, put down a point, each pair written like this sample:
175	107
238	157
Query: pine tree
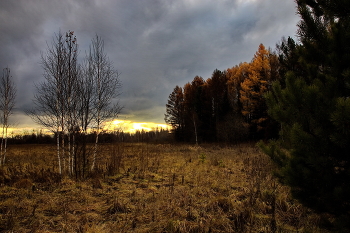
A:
312	105
287	52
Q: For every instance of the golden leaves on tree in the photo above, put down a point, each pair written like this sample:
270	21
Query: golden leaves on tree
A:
248	82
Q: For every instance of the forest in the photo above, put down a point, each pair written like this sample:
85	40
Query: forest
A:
229	106
295	100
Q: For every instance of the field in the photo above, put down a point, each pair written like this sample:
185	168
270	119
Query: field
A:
150	188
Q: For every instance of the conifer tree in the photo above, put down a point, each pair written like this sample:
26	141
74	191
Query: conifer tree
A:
217	88
238	127
194	107
217	103
287	53
261	72
236	75
313	107
255	85
175	113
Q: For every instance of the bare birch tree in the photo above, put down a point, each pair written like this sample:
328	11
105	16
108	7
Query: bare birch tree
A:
71	95
55	96
85	114
106	88
7	102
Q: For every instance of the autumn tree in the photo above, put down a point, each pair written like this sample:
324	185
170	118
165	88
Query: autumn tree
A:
313	107
236	125
262	72
7	103
229	103
236	76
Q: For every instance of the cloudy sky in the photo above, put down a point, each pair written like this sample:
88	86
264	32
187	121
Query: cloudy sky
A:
154	44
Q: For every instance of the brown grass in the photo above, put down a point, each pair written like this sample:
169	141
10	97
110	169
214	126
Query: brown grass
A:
150	188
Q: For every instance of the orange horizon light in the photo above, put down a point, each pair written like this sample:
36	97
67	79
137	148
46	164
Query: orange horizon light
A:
126	126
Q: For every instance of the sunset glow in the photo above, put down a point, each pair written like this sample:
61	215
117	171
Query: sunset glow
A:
132	127
115	125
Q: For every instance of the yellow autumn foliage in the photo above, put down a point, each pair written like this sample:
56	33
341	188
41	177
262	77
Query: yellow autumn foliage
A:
248	82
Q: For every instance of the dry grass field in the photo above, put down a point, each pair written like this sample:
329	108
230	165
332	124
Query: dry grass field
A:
150	188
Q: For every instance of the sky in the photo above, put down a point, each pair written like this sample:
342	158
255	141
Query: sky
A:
154	44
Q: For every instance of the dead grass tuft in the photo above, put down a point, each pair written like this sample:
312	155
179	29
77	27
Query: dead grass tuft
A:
23	184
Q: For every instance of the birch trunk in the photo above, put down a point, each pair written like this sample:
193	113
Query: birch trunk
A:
2	144
5	147
58	152
95	151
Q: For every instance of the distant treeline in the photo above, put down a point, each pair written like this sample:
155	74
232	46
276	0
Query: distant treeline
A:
156	136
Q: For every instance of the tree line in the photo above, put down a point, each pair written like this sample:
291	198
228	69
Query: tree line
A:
157	135
229	106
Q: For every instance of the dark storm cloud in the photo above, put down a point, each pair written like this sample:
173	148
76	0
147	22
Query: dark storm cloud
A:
154	44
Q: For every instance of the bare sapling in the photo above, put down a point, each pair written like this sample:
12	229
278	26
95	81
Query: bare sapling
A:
7	102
